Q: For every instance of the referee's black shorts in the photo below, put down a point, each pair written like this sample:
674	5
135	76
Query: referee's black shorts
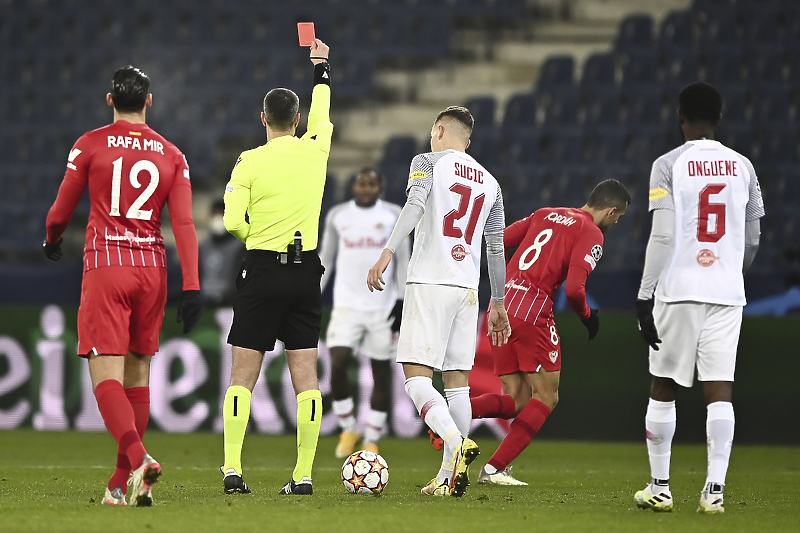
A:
275	301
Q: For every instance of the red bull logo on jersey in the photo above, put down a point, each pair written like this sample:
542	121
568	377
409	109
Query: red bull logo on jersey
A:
459	252
706	258
364	242
560	219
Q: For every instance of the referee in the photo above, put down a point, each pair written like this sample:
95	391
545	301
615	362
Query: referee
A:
279	187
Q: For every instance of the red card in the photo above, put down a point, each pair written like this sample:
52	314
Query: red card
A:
305	31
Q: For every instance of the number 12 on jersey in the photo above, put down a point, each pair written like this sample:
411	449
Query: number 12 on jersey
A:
116	183
449	229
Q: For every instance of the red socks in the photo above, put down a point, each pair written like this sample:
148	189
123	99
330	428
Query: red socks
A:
120	420
493	406
527	423
139	398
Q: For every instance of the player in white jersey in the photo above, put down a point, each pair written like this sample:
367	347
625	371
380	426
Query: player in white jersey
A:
452	200
706	205
355	233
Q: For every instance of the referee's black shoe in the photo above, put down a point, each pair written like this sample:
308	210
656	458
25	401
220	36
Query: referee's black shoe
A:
234	483
302	487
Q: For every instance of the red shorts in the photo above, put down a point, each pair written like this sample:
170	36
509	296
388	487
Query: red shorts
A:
529	349
122	309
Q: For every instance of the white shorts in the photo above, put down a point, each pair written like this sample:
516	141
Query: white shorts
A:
439	327
369	329
696	334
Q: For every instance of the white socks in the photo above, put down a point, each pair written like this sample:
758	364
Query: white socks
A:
460	408
719	429
344	413
376	423
434	411
660	425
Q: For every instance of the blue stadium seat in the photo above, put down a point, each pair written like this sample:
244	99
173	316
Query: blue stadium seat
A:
607	145
562	108
520	112
635	32
720	29
735	104
771	104
599	70
353	75
484	148
557	71
645	105
723	66
483	109
777	146
399	150
676	31
762	25
738	137
640	67
522	147
563	145
601	107
766	66
681	67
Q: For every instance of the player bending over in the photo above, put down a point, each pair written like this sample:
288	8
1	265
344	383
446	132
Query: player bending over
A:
131	172
554	245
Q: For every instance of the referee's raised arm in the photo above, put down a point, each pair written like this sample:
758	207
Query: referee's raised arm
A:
279	187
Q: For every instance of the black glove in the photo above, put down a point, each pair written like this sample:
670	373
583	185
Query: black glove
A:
189	310
647	324
396	315
53	251
592	324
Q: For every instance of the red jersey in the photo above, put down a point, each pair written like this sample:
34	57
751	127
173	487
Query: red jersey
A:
554	244
131	172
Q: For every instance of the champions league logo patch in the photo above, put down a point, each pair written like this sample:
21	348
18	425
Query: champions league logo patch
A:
597	252
706	258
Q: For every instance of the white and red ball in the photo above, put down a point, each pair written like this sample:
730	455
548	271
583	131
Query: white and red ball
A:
365	472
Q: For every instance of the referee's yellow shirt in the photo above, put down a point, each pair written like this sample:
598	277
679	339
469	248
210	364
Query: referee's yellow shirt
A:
280	184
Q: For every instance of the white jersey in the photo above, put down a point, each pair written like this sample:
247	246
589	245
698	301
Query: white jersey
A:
713	191
464	201
355	237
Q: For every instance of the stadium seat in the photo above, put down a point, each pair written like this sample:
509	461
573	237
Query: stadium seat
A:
681	67
600	107
761	25
522	147
736	108
736	136
766	66
562	108
635	33
720	29
399	150
483	109
606	145
777	146
644	105
599	70
640	67
563	145
557	71
520	112
723	65
483	146
676	31
772	104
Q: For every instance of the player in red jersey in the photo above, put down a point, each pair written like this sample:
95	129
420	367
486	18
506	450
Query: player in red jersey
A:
554	245
131	172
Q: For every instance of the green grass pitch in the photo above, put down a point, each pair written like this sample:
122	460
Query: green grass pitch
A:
54	482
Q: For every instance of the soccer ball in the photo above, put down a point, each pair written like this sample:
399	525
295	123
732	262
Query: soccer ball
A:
365	473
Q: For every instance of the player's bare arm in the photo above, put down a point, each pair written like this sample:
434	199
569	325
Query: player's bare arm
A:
375	279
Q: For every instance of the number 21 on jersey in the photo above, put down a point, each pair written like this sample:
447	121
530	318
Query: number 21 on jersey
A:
449	228
135	210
